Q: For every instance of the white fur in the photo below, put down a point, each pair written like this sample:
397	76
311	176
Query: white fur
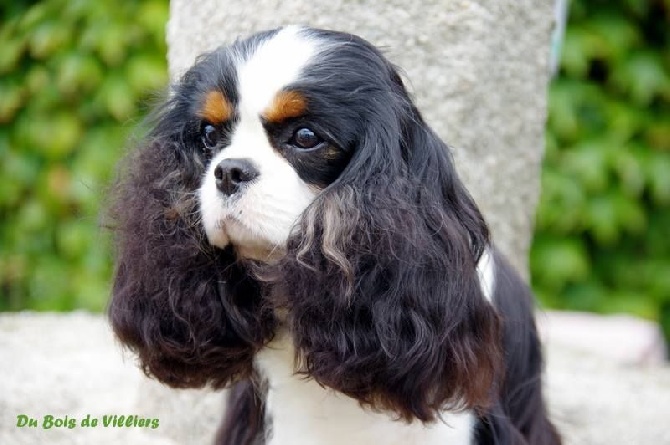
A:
275	64
262	215
486	271
304	413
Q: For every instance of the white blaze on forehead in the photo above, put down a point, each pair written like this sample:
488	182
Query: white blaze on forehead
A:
264	212
276	63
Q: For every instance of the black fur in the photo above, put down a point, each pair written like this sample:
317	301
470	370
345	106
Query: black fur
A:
245	421
519	415
378	286
190	311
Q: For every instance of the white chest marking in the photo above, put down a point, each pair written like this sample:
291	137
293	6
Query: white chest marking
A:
486	272
304	413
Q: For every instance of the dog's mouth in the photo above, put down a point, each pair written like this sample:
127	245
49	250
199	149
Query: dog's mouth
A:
247	242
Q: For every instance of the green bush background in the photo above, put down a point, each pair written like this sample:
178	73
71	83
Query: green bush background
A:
602	240
75	73
72	73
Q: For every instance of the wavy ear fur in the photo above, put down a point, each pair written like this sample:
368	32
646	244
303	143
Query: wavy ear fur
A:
380	280
188	310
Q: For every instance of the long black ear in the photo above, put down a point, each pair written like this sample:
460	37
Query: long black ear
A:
381	287
189	311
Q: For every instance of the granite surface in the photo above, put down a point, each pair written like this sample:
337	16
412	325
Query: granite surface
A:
70	365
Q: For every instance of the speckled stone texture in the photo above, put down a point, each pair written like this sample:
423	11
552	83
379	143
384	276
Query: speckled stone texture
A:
70	364
478	71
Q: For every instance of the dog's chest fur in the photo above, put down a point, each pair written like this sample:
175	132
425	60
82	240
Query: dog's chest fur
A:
302	412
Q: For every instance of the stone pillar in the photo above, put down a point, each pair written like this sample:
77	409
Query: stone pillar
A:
477	68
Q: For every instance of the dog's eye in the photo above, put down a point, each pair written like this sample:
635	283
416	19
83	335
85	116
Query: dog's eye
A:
304	138
210	137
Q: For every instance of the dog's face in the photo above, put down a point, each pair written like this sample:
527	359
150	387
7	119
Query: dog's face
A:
302	147
274	132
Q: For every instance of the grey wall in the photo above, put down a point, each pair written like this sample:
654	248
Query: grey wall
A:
478	70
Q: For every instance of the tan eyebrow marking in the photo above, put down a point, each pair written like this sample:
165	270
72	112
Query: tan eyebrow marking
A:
216	109
286	104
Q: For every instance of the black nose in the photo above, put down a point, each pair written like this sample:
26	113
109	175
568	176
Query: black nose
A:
230	174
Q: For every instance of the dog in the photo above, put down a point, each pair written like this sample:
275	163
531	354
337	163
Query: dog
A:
291	229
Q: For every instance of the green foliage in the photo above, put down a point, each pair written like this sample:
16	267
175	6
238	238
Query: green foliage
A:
602	241
72	73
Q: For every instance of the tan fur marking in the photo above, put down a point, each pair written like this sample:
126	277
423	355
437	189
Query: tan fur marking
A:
286	104
216	108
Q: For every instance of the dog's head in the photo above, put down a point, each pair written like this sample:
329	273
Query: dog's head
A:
301	150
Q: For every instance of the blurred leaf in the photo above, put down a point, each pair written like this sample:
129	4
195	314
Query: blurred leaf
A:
111	43
586	296
146	73
35	14
74	238
562	204
54	189
49	287
657	134
624	121
601	219
586	163
67	117
658	234
151	17
10	53
630	172
639	8
78	73
561	260
619	35
76	9
658	170
48	38
606	178
18	174
574	57
631	303
11	99
37	79
642	76
33	217
565	100
117	97
630	215
53	137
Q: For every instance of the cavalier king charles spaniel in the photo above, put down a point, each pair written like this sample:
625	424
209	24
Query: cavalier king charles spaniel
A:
292	229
